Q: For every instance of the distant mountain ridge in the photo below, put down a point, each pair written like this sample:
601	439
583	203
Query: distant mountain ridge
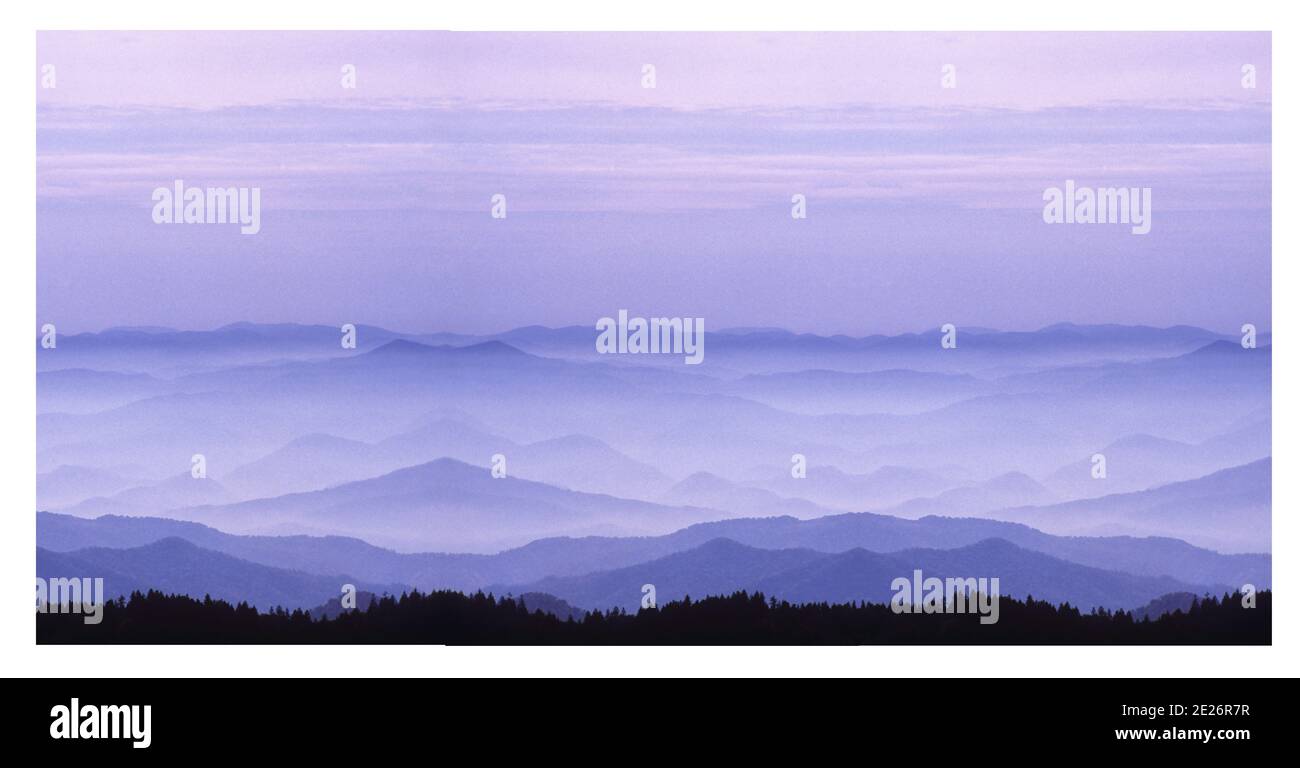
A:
445	505
575	556
375	462
1230	510
175	565
722	566
245	342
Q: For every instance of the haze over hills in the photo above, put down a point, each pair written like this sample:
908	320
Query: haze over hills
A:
719	566
886	391
319	461
176	566
1230	510
377	462
704	489
118	349
173	493
830	487
1139	462
171	350
446	505
722	566
1010	489
1011	424
68	484
576	556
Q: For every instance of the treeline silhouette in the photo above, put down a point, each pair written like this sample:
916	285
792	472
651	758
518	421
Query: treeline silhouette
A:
742	618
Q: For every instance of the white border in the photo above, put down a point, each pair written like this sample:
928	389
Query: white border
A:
19	656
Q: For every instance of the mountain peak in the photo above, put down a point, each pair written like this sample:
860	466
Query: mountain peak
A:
401	348
1224	348
493	348
702	482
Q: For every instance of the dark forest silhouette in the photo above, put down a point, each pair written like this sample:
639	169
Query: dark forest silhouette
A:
454	618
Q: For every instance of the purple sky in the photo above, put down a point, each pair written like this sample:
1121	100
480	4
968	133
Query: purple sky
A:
924	202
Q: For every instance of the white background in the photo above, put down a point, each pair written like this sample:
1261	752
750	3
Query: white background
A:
20	656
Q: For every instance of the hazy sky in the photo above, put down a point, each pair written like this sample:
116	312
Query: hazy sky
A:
924	203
